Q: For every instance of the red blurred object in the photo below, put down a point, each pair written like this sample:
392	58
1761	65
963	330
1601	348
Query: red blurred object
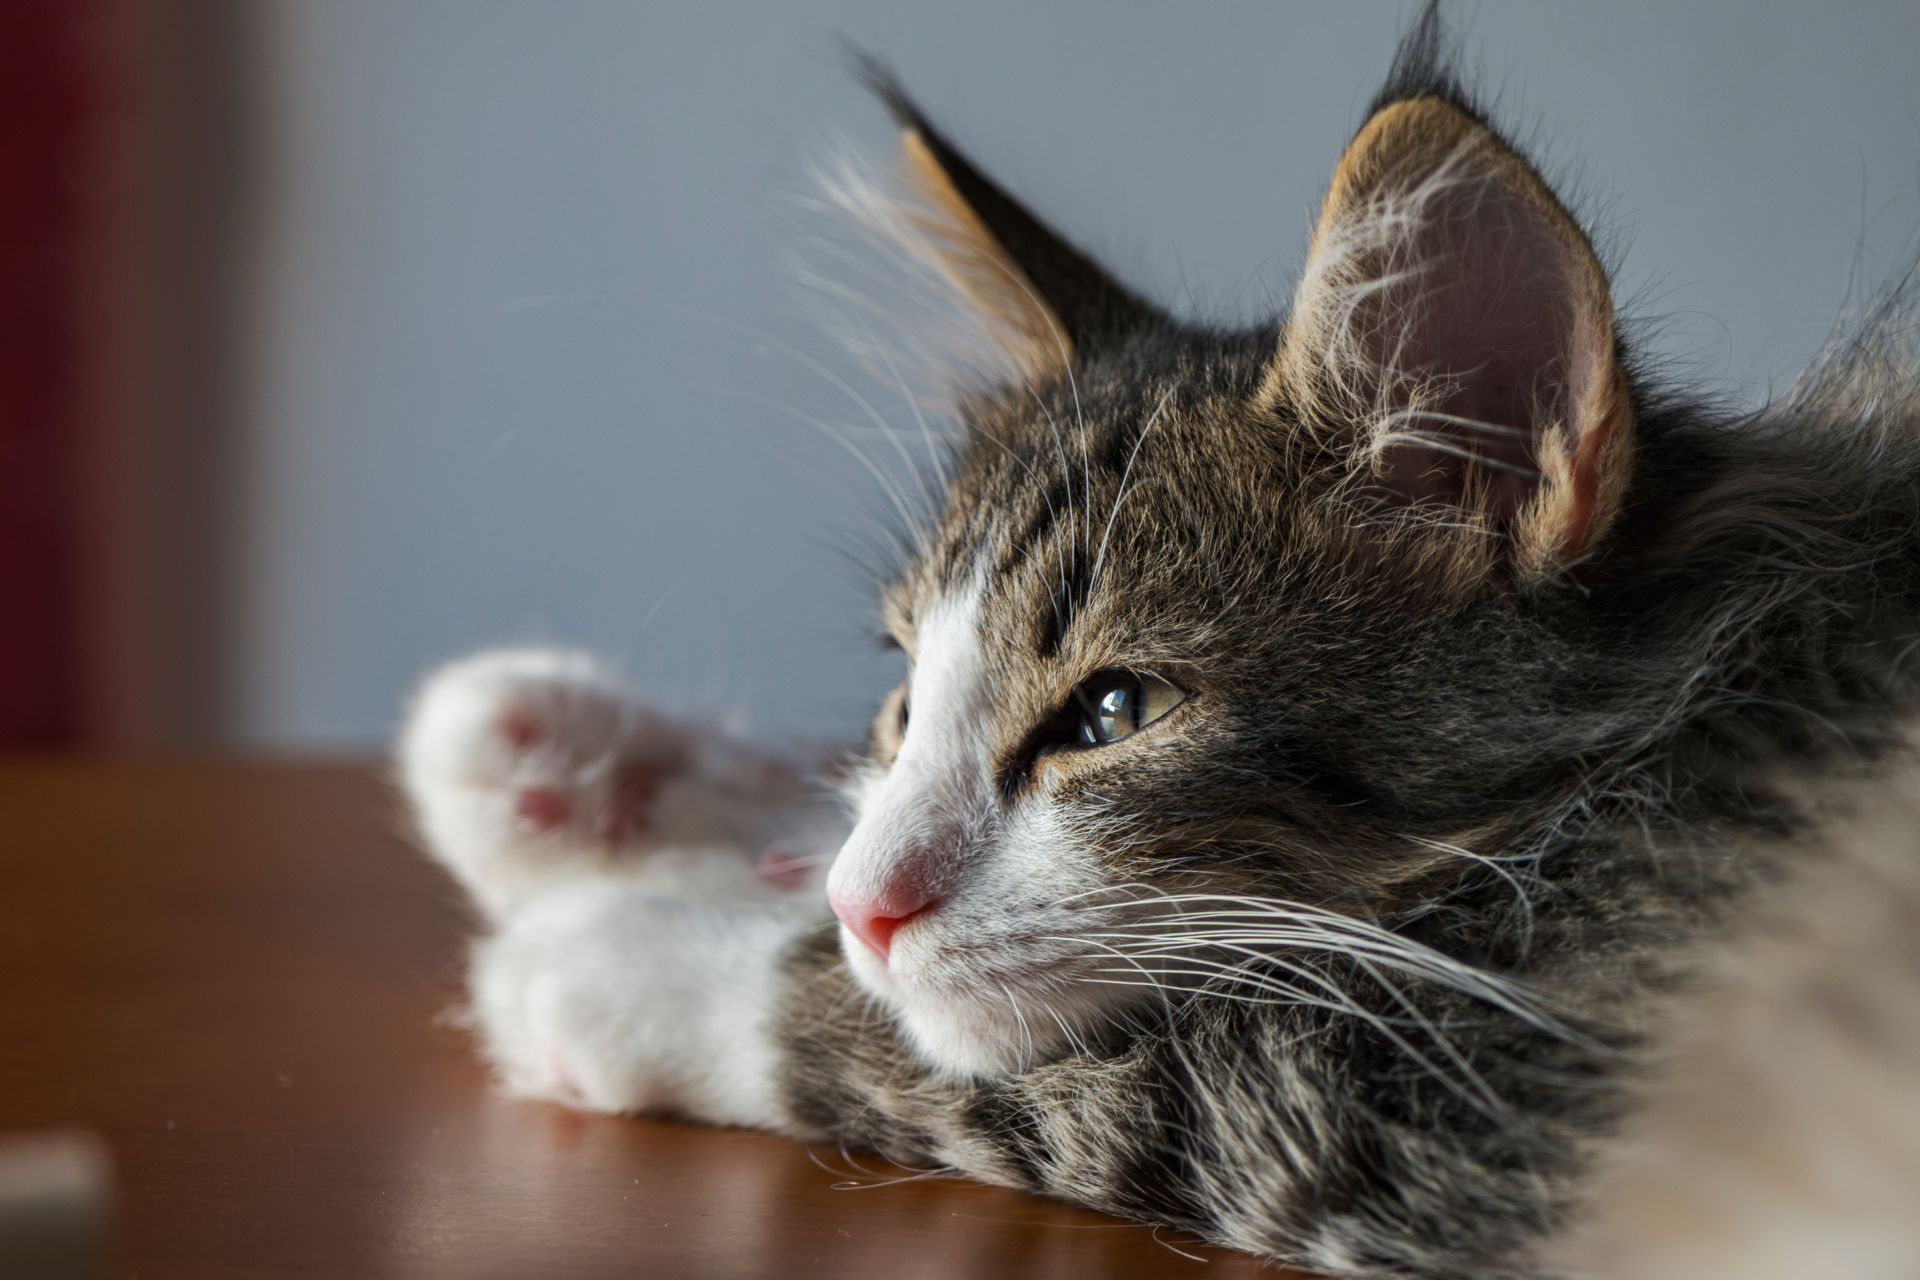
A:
128	141
56	81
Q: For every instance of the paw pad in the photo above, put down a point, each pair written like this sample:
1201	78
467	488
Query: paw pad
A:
520	730
542	808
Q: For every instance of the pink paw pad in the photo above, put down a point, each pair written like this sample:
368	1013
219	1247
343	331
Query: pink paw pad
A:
542	808
520	729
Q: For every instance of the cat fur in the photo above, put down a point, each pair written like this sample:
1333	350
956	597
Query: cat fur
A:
1527	881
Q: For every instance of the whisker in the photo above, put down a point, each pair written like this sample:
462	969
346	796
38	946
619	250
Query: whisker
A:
1494	864
1026	1033
934	453
1261	951
1093	578
1060	622
1285	994
833	433
840	384
1193	522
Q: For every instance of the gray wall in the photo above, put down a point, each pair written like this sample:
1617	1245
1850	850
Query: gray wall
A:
535	371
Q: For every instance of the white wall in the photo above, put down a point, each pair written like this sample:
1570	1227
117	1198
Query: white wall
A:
528	321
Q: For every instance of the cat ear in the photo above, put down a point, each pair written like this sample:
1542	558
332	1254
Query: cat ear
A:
1044	302
1453	335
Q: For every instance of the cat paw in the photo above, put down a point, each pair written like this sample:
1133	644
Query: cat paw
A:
525	763
528	765
604	997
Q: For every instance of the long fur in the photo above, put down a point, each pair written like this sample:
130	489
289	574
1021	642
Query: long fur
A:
1531	822
1572	785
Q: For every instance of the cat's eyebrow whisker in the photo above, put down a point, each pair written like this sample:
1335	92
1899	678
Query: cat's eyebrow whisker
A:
1086	468
1120	496
1060	622
1193	522
1073	385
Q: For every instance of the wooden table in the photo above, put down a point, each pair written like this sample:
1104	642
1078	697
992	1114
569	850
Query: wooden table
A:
237	974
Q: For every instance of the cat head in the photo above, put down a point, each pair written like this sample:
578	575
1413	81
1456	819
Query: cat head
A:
1213	621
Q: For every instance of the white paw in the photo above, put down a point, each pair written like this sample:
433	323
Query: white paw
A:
602	996
523	763
525	766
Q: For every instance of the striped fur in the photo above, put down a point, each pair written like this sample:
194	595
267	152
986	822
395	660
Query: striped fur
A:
1353	958
1515	869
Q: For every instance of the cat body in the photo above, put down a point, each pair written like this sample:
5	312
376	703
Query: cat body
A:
1345	770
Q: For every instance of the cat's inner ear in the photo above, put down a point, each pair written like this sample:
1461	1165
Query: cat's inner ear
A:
1044	304
1453	334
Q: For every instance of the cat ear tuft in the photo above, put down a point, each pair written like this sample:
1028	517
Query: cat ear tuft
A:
1044	302
1453	335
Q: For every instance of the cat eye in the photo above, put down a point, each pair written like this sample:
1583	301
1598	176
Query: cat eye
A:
1116	703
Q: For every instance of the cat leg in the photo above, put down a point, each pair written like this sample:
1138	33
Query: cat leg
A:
600	995
528	765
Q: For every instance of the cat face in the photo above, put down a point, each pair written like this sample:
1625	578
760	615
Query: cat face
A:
1235	642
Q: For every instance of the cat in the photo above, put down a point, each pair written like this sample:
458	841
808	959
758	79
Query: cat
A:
1397	790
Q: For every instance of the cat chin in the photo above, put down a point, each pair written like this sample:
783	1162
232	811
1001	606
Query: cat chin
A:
970	1039
981	1026
969	1042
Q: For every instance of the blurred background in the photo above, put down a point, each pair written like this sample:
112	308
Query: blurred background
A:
338	337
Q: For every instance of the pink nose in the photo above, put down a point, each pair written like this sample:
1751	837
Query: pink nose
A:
874	923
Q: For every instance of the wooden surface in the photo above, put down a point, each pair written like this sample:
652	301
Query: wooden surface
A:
238	975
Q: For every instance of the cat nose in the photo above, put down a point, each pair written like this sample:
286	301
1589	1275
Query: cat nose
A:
874	922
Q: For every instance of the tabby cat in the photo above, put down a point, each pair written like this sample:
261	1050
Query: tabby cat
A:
1397	789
